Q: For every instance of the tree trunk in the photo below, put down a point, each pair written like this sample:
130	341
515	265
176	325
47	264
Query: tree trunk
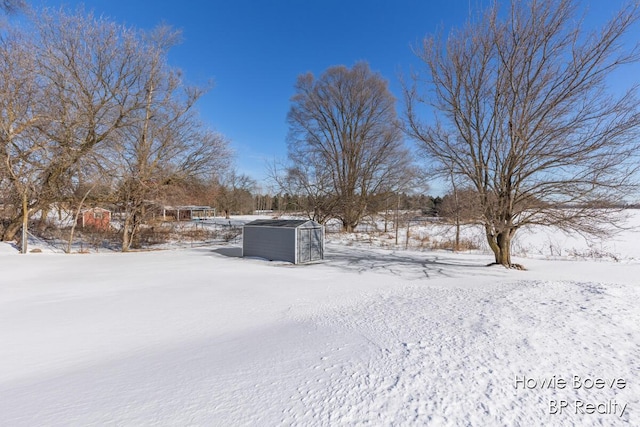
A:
456	245
126	235
396	221
12	229
75	219
504	244
44	216
134	236
350	221
73	229
386	214
500	244
25	223
406	242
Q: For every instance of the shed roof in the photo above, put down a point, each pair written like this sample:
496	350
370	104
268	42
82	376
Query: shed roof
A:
285	223
97	208
189	207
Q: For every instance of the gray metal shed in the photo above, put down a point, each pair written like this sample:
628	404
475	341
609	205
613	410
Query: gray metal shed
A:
296	241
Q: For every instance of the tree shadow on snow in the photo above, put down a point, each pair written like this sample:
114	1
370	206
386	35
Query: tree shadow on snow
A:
410	265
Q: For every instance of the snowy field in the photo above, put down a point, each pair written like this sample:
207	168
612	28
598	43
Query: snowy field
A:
371	336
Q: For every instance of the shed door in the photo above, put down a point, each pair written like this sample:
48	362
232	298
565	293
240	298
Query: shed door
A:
316	244
309	244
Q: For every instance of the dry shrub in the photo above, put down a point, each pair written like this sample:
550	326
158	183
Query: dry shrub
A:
199	234
463	245
99	238
424	242
155	235
231	234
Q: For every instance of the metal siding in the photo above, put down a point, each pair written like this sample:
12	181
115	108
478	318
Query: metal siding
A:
270	243
283	242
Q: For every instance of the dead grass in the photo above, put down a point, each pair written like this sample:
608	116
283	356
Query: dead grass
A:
464	245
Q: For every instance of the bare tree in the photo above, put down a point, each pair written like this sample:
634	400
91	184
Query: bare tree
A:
344	139
76	88
461	206
165	141
93	185
82	69
235	193
522	115
312	183
22	151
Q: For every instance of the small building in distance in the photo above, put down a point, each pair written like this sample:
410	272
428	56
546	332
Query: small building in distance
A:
97	218
187	213
295	241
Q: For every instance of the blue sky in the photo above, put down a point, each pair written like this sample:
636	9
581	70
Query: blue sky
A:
253	50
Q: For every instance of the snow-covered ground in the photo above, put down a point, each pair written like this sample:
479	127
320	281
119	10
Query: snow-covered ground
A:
529	242
370	336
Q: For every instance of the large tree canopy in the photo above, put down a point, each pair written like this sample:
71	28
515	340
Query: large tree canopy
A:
345	142
522	115
82	96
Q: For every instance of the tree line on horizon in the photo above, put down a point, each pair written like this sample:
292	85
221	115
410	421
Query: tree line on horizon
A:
513	110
